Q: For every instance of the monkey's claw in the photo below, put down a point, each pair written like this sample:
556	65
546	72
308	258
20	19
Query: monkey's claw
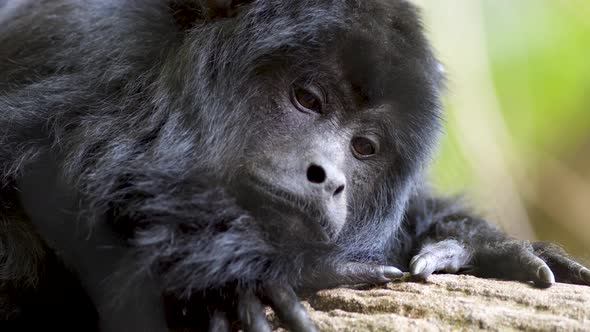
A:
418	265
564	268
347	274
288	308
540	262
251	312
285	303
545	275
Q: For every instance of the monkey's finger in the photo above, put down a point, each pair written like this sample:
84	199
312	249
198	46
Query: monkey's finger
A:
566	269
448	256
363	274
330	276
290	311
535	269
251	313
219	322
423	265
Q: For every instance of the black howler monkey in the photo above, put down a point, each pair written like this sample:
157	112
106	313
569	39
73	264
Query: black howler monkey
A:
224	154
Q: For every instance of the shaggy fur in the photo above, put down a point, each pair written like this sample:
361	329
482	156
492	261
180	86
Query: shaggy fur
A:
166	113
148	109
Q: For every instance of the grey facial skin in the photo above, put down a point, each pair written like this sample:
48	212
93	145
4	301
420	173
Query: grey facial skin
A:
305	171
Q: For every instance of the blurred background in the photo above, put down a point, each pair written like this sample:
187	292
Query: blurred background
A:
517	113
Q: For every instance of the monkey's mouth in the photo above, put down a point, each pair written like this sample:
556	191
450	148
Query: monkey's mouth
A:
265	197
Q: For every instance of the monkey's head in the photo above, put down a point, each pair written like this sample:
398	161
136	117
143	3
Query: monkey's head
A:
329	108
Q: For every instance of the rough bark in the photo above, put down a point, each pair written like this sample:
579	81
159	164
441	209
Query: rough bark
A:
453	303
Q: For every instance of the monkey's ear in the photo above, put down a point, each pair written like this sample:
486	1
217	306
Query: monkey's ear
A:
188	12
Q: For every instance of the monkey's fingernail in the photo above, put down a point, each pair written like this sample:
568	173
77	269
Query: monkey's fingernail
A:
545	275
418	266
391	272
585	275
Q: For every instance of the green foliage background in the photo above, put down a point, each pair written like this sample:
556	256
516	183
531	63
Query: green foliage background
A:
540	57
538	53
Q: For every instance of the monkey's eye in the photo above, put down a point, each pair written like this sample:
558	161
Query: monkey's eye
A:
307	97
363	147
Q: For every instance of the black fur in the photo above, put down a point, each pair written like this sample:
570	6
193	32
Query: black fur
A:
136	116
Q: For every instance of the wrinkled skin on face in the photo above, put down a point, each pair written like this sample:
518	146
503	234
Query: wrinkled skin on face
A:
330	132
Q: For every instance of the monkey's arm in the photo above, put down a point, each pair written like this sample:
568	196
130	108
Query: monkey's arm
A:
154	232
449	238
226	262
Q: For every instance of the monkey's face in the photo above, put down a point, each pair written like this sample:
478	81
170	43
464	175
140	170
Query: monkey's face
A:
334	118
322	146
302	160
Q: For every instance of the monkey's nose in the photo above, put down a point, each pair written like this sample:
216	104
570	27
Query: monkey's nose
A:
333	183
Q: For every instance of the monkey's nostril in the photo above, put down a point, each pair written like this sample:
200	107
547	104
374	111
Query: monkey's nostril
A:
316	174
339	190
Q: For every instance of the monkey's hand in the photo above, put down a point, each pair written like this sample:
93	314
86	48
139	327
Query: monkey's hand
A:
540	262
250	311
285	303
